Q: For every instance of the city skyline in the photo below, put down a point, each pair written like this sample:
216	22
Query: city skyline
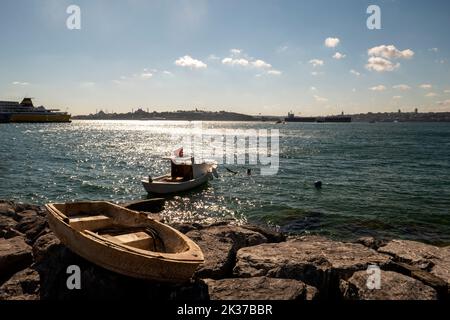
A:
252	57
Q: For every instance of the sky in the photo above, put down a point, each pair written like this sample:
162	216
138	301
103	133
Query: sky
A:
255	57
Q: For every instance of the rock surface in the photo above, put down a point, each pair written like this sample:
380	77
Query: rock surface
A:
15	255
258	288
219	245
241	262
317	261
424	256
393	286
23	285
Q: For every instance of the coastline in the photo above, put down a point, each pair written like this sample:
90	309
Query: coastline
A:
241	262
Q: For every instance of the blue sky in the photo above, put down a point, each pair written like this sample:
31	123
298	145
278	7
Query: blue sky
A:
253	57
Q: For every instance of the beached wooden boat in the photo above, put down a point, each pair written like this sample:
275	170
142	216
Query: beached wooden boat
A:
185	175
125	241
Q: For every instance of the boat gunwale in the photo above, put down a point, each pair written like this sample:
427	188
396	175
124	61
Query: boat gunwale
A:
158	180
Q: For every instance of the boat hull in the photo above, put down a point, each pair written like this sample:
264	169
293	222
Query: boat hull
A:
29	117
127	260
164	187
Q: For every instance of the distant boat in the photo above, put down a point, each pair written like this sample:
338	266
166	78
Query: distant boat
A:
341	118
125	241
185	175
11	111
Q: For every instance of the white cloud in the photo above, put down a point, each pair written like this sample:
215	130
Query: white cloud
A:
390	52
339	56
313	88
274	72
18	83
244	60
315	73
433	49
261	64
235	51
189	62
282	49
356	73
378	88
402	87
146	75
167	73
447	91
397	97
431	94
381	65
213	57
320	99
426	86
316	62
380	58
331	42
234	62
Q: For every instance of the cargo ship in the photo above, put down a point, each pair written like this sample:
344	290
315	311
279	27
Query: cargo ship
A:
25	111
292	118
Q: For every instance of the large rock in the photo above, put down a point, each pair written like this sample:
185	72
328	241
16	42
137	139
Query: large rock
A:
271	235
6	225
21	207
45	246
24	285
430	258
258	288
15	255
314	260
31	224
371	242
7	208
393	286
219	245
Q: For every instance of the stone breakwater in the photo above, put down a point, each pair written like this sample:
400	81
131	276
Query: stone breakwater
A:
241	262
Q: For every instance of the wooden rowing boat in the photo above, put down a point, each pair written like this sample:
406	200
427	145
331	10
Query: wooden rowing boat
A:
125	241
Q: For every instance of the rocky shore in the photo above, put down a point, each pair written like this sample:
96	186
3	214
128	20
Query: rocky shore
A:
241	262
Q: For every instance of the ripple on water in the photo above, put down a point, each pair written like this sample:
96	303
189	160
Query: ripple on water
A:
390	180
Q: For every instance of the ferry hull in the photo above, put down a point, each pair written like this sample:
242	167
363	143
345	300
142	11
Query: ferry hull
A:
18	118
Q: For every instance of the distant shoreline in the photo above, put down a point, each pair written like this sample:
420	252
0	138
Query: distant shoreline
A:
199	115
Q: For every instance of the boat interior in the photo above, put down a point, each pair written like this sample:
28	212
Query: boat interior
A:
121	226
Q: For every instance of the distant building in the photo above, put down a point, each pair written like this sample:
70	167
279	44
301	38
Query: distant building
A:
399	111
416	111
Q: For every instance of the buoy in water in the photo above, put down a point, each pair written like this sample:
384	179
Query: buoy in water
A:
318	184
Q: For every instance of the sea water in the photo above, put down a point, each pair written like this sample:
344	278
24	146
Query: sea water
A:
379	179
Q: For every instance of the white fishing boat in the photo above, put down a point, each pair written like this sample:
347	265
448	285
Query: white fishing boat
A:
185	175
